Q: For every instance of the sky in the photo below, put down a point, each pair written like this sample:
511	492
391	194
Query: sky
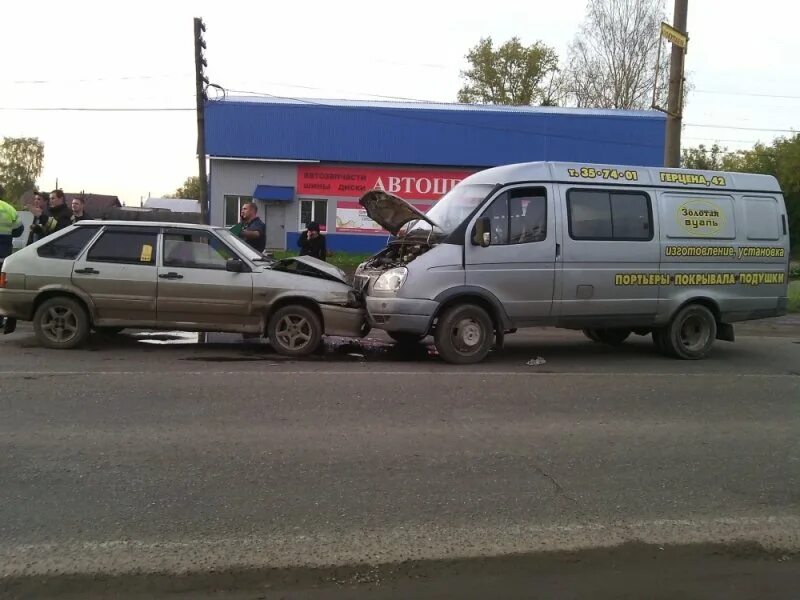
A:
81	54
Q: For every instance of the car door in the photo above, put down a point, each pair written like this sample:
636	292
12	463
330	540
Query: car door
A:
119	273
611	261
194	287
518	264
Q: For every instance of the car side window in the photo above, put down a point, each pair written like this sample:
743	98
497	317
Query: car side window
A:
69	245
518	216
195	250
125	247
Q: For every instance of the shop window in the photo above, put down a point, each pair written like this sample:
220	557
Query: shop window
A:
314	210
233	207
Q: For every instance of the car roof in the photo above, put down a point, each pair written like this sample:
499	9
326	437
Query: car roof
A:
170	224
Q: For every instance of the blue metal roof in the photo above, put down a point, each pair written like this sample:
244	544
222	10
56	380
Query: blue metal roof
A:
274	192
413	133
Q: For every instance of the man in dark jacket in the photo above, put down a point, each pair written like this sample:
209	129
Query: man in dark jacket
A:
312	242
79	209
59	217
41	214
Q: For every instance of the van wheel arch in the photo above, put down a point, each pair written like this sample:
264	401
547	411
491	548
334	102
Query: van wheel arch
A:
490	307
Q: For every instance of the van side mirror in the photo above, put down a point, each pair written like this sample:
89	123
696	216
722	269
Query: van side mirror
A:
234	265
482	235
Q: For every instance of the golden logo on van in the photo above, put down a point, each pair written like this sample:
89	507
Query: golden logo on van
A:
701	218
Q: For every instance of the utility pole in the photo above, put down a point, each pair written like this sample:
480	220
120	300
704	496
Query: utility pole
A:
672	145
201	81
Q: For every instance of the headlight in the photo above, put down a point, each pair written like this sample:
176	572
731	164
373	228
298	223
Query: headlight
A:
391	280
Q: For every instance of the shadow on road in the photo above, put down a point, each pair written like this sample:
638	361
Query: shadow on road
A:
627	571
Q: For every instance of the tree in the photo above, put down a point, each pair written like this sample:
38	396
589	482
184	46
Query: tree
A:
612	61
21	162
781	159
702	158
512	74
190	189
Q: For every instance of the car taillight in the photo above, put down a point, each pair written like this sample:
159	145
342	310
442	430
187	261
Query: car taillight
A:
2	280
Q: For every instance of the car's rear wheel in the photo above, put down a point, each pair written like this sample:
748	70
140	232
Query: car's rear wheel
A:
61	322
464	334
294	330
404	338
691	333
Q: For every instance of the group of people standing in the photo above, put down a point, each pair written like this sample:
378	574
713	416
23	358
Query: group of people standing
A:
253	231
51	213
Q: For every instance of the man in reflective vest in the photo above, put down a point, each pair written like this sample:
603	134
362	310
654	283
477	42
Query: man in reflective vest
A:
10	226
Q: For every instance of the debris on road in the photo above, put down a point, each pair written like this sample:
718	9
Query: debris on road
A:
535	362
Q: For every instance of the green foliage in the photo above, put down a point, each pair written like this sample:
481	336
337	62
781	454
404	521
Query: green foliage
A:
512	74
702	158
794	297
781	159
189	190
21	161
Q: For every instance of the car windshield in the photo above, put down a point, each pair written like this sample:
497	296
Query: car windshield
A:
452	209
240	246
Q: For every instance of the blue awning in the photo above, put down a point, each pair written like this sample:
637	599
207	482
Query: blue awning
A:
283	193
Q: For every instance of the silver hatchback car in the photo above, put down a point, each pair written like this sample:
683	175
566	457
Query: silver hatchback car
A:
110	275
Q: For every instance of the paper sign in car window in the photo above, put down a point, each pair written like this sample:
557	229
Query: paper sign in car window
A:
147	253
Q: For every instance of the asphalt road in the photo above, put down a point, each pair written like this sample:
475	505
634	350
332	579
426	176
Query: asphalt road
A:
135	456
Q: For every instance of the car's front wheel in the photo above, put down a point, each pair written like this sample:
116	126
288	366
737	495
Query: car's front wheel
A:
61	322
464	334
294	330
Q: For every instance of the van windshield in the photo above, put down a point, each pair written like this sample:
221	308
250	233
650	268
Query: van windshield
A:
453	208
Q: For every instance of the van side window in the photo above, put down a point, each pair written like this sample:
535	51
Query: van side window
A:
518	216
609	215
763	218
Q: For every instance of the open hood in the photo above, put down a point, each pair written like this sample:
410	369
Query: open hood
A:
389	211
312	267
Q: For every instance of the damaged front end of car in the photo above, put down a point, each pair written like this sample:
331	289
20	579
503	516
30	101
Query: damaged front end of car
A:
342	306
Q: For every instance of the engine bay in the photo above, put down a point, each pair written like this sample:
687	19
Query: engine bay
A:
396	255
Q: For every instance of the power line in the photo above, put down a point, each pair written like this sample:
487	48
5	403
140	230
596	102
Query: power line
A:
740	128
91	109
754	95
94	79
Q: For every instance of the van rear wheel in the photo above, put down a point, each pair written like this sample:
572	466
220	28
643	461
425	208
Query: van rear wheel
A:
691	333
464	334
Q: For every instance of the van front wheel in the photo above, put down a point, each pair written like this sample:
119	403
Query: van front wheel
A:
464	334
691	333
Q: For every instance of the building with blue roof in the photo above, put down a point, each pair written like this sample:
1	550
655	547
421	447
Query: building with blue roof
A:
306	160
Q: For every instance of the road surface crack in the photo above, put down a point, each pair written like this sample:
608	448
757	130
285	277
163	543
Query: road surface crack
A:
559	490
